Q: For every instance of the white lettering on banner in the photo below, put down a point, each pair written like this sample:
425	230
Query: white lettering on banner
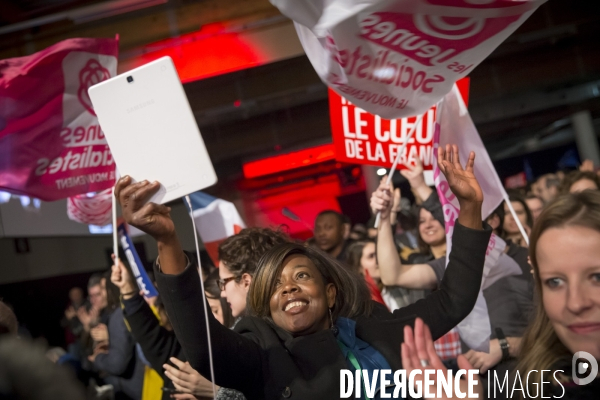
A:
388	68
135	269
369	137
377	155
85	179
85	159
396	58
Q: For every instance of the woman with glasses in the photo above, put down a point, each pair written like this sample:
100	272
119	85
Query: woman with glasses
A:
238	257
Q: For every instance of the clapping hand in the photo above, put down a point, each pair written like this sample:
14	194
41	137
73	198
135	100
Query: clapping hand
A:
418	353
100	348
70	312
99	333
187	380
87	318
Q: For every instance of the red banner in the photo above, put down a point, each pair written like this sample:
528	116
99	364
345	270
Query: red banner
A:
360	137
516	181
51	145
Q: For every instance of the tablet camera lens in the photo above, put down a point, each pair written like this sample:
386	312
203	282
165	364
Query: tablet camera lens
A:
130	79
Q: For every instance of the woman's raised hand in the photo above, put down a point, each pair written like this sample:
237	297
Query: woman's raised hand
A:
462	182
121	277
414	174
381	199
151	218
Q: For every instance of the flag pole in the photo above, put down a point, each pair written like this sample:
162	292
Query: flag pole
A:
114	220
397	160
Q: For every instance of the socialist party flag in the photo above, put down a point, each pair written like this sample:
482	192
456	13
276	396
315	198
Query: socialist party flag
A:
456	127
397	58
216	220
51	145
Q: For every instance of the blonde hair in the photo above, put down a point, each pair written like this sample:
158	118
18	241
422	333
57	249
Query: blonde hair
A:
540	347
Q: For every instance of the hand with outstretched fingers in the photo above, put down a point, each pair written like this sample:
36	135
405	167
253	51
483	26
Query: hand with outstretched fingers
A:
461	180
418	353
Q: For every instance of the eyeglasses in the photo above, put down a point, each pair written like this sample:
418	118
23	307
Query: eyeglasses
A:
223	282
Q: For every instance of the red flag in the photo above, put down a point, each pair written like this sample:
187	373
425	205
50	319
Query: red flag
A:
51	145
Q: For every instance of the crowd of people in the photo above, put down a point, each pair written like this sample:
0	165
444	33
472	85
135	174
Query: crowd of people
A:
285	317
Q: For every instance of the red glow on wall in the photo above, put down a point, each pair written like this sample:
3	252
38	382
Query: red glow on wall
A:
220	48
289	161
208	52
303	199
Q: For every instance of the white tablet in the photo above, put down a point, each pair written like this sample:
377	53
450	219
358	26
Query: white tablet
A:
151	130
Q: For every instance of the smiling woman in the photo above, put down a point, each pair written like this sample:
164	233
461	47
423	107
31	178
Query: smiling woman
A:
566	263
309	317
301	284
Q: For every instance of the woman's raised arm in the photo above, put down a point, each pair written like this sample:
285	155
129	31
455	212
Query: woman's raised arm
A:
153	219
446	307
237	360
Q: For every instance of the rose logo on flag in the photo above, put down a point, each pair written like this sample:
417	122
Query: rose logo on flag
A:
455	29
91	209
89	75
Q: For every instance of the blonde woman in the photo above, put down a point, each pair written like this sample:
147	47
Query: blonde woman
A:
565	254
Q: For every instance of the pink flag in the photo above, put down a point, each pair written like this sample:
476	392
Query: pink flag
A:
456	127
51	145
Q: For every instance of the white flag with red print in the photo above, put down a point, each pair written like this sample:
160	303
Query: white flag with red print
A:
397	58
216	220
456	127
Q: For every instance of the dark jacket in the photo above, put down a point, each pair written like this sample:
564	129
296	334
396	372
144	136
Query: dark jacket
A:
158	344
265	362
125	370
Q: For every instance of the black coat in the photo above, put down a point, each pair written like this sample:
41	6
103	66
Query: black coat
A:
158	344
265	362
125	369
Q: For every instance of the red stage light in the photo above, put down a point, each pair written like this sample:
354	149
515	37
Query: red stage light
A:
289	161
